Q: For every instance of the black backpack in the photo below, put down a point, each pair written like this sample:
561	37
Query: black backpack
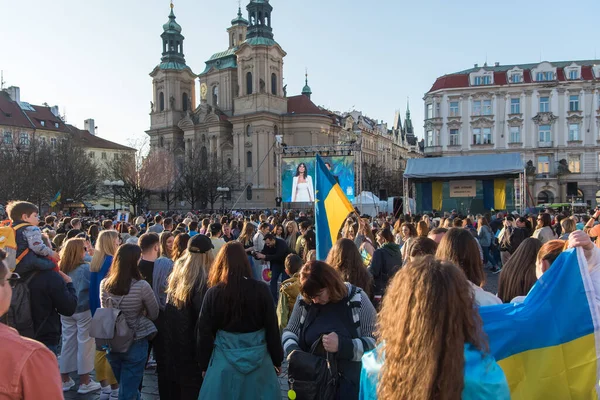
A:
19	313
312	376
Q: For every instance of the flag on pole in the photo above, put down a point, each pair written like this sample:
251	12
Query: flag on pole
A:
331	209
549	345
56	199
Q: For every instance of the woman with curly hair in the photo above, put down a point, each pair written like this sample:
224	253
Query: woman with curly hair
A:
431	340
346	259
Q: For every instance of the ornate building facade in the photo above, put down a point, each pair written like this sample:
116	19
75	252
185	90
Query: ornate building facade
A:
243	106
549	112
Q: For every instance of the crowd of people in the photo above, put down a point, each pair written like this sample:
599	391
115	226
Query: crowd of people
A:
218	302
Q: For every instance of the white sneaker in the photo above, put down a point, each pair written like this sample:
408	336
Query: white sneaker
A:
105	394
68	385
114	395
90	387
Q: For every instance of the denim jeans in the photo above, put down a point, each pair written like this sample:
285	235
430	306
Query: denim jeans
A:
276	271
129	369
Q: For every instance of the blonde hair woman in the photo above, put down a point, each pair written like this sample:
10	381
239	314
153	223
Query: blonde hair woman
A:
77	346
106	247
185	294
291	234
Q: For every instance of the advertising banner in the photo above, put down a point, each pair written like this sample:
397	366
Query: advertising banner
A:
298	177
463	188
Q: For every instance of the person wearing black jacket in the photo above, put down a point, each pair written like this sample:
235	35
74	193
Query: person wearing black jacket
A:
237	332
386	260
275	251
51	293
187	286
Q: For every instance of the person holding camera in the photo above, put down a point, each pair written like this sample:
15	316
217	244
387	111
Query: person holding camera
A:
275	252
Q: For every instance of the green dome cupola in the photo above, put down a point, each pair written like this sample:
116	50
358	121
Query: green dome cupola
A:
259	15
239	20
172	54
306	89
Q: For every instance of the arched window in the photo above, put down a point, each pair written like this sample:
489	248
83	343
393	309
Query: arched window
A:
267	19
248	130
215	96
161	101
161	142
249	159
275	130
249	192
229	163
203	157
274	84
184	101
260	18
232	39
249	83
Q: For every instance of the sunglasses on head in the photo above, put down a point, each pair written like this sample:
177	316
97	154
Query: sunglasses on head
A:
12	279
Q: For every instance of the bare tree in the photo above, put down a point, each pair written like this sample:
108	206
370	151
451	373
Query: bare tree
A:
216	174
165	170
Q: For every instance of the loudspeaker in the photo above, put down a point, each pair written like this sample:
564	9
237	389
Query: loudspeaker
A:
571	189
383	194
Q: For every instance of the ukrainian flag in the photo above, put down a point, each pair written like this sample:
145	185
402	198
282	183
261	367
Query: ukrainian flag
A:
56	199
548	346
331	209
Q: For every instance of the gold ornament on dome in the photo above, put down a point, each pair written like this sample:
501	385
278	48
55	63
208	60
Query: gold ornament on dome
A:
203	91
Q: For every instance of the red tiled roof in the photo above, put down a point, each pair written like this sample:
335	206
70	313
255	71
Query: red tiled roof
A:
42	113
303	105
461	79
88	140
11	114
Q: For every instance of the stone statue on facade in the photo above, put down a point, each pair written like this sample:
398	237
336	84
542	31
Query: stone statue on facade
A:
172	101
262	86
530	168
563	167
151	106
285	91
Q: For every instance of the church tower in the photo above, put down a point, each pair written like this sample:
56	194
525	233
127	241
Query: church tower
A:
173	84
260	65
306	90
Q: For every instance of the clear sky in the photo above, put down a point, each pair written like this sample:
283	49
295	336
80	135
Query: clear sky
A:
92	57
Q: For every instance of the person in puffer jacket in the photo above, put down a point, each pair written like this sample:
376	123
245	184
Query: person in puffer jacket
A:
386	260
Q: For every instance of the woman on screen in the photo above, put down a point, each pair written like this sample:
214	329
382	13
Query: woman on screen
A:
302	187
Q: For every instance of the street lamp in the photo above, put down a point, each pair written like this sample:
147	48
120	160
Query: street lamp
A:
223	190
114	185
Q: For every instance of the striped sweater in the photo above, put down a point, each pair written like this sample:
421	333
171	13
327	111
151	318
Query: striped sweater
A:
139	307
363	315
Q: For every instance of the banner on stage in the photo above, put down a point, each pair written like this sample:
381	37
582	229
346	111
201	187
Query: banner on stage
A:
463	188
298	177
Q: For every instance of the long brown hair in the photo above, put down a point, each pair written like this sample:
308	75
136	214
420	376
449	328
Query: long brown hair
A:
247	233
427	316
230	268
164	251
124	270
180	245
346	259
71	255
318	275
459	247
422	228
518	275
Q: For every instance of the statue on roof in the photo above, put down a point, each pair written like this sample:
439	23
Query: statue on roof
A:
284	90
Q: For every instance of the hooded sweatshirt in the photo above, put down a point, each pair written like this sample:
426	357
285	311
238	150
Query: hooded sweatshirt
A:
385	262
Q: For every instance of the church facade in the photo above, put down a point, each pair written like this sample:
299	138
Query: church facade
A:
243	107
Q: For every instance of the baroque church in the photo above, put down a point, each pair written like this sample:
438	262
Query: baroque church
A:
243	106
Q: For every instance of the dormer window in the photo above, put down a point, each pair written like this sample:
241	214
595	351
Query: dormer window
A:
482	77
596	71
545	76
573	74
43	123
56	124
516	78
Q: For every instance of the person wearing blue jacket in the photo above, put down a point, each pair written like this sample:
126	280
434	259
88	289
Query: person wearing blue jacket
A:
431	340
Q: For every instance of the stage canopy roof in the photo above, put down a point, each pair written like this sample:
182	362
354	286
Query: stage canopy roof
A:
464	166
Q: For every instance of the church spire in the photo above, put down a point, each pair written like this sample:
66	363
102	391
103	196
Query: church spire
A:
306	90
172	54
408	126
240	20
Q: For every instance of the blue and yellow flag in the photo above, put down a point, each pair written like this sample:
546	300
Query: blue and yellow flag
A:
56	199
331	209
548	346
